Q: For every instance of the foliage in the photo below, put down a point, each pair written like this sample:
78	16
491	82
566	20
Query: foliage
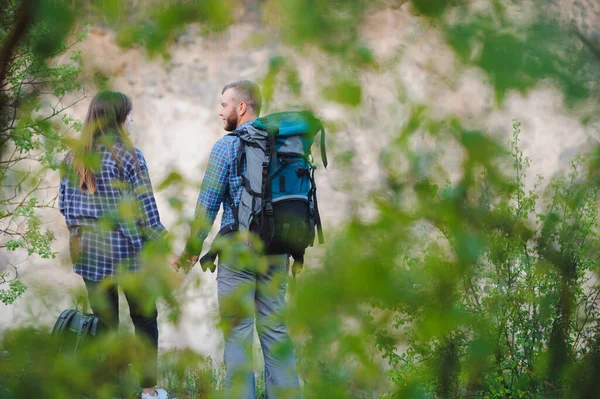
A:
467	281
15	289
34	95
497	298
531	282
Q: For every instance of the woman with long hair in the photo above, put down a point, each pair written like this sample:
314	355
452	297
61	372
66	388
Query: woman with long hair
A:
110	211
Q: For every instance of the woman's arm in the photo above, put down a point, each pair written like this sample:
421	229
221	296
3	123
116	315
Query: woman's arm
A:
149	218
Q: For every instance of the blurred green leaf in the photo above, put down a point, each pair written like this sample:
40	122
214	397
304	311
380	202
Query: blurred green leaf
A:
345	92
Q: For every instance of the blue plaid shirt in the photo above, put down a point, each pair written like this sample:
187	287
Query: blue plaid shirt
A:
111	225
222	184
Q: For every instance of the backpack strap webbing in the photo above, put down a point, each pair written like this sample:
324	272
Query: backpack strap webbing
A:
267	200
316	204
323	150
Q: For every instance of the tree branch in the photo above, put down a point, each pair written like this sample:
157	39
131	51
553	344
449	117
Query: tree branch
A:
24	17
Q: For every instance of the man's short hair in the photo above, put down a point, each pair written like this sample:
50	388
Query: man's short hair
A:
248	92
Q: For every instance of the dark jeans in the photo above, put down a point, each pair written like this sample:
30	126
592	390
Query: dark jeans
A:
104	301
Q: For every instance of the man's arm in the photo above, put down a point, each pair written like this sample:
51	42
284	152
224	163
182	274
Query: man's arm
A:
212	194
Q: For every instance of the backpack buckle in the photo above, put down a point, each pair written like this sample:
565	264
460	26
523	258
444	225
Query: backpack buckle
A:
269	208
301	171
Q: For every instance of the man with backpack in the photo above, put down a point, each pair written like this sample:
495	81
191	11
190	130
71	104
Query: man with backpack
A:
246	173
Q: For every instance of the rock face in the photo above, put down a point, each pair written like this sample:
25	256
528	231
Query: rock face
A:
583	16
176	123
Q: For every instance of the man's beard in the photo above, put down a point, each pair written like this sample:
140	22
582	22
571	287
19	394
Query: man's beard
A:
231	122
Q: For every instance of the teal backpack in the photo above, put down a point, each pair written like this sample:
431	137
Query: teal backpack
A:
279	194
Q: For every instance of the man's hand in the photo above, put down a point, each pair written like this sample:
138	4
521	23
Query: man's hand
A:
296	268
207	262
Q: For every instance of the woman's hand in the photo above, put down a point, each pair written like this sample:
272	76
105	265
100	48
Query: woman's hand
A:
185	261
174	262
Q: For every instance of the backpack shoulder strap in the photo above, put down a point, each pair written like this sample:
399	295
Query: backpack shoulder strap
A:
240	154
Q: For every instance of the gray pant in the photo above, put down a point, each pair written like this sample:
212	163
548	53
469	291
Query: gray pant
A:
243	295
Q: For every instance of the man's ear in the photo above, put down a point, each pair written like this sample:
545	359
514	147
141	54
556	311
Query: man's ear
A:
242	108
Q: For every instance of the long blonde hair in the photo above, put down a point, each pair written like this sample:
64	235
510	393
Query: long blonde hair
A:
103	125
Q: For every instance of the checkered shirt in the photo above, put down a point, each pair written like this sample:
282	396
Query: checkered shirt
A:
111	225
